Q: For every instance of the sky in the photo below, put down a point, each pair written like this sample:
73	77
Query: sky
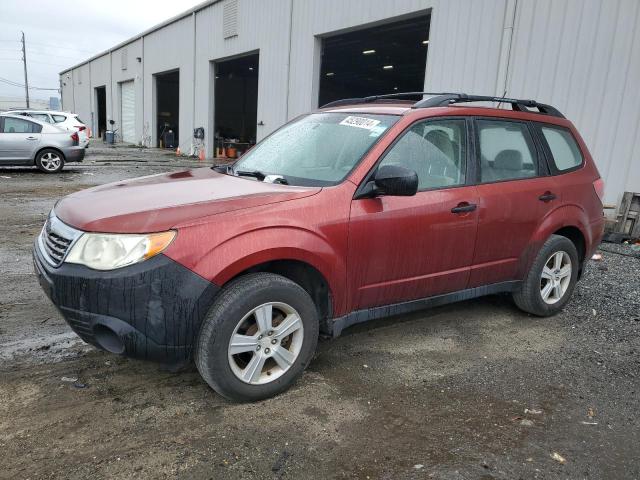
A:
62	33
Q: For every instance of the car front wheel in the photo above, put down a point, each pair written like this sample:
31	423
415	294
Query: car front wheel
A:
258	337
49	161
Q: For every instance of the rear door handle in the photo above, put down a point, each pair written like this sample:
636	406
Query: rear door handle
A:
547	197
464	207
31	138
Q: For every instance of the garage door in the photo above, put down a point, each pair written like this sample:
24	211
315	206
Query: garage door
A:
128	109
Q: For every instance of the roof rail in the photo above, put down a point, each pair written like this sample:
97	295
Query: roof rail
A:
444	99
516	104
373	98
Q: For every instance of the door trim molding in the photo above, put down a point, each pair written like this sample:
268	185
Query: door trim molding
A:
338	324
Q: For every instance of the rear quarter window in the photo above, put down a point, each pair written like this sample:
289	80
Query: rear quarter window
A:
59	118
563	146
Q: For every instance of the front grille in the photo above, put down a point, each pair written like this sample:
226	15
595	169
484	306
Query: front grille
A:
55	240
55	245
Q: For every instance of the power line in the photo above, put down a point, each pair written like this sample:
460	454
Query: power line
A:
16	84
63	47
31	52
34	61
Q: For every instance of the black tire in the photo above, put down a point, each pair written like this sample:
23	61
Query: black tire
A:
41	160
235	301
529	298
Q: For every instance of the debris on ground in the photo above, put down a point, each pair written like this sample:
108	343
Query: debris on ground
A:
558	458
278	466
69	379
597	257
533	411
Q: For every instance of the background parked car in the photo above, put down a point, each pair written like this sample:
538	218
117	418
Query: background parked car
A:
33	142
66	120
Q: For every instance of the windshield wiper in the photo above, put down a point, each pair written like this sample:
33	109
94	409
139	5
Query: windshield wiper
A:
250	173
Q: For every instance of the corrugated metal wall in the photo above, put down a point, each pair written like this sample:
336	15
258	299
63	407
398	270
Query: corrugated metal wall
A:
581	55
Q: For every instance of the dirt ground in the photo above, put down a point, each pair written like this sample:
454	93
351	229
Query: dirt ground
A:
476	390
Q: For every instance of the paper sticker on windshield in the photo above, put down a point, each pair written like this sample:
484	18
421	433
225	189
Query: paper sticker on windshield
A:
377	131
360	122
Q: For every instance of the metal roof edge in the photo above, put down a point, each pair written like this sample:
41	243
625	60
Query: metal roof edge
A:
180	16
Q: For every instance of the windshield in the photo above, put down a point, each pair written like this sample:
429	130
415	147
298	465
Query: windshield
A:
316	150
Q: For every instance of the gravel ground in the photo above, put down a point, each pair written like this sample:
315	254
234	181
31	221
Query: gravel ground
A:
467	391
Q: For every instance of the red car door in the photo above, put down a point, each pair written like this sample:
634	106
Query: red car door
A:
405	248
515	195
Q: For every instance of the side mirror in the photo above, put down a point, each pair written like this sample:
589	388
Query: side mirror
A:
395	180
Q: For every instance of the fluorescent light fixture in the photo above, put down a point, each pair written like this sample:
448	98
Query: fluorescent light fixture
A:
395	88
330	74
388	67
425	42
251	68
368	52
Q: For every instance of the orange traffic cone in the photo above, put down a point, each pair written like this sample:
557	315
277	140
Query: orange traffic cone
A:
201	156
178	152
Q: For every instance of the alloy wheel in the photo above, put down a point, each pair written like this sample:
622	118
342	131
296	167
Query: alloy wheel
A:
555	277
265	343
50	161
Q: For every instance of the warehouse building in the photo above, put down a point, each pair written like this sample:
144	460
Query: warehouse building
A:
238	69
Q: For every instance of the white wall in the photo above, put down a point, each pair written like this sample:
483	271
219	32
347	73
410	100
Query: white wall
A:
170	48
263	27
582	56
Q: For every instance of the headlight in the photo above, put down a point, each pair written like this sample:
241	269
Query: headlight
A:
102	251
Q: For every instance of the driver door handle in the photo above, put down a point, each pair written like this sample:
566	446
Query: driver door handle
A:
547	197
464	207
31	138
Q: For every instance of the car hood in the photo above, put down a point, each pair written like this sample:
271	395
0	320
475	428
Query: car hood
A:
160	202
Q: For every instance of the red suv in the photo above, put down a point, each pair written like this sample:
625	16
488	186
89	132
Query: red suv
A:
363	209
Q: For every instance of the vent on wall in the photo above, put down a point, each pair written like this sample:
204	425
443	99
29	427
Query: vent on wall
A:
230	19
123	59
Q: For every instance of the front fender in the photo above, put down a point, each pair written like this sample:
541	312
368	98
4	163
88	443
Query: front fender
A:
248	249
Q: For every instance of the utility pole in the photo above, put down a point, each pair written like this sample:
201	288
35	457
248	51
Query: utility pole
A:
24	62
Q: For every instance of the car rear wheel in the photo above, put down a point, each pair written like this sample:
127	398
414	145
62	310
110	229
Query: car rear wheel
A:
50	161
258	337
551	279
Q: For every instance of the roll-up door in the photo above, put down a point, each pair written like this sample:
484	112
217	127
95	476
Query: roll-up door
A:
128	110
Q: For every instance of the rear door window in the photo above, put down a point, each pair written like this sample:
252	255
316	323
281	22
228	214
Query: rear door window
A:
564	148
41	116
506	150
18	125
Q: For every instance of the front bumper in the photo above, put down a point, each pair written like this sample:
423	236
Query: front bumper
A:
151	310
75	154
